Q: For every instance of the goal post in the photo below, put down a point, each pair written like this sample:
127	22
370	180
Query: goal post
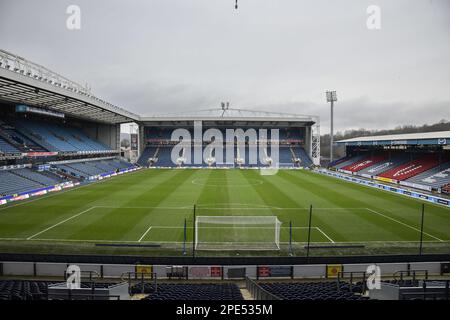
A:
237	233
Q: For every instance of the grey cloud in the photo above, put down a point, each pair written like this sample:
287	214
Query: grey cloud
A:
166	56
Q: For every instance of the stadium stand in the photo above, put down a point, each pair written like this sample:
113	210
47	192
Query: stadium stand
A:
394	160
164	157
18	140
44	180
171	291
12	183
364	163
34	290
435	178
301	154
148	152
349	161
55	137
22	180
285	155
338	161
86	169
412	168
5	147
314	290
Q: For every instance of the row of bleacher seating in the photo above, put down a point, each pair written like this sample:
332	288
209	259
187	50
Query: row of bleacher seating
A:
286	156
86	169
18	141
22	180
166	134
56	137
428	170
6	147
33	290
364	163
314	290
17	181
173	291
412	168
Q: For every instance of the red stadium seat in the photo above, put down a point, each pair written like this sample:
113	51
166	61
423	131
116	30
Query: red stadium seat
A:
364	163
412	168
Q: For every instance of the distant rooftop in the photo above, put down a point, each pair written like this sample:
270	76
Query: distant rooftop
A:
429	138
218	114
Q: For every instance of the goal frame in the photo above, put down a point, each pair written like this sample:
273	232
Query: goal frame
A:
235	245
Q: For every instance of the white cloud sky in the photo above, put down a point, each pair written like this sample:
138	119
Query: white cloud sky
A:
158	56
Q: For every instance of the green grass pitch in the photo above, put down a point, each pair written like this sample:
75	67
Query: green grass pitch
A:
149	207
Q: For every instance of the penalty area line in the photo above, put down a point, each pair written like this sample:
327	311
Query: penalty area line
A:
145	233
326	236
404	224
59	223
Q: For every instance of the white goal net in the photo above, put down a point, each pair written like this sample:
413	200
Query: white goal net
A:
237	233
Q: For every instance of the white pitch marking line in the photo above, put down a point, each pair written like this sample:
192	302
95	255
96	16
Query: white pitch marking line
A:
320	230
134	241
404	224
145	233
59	223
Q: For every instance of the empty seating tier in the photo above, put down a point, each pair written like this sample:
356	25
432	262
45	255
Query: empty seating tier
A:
59	138
412	168
314	291
364	163
435	178
166	291
86	169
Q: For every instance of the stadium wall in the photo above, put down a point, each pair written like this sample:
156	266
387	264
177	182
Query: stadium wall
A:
220	272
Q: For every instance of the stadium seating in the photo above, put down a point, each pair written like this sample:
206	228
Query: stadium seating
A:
55	137
435	178
314	291
169	291
412	168
301	154
148	152
164	157
33	290
5	147
86	169
393	161
44	180
22	180
285	155
338	161
364	163
349	161
13	183
155	136
18	140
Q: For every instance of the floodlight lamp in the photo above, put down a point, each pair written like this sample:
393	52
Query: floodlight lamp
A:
331	96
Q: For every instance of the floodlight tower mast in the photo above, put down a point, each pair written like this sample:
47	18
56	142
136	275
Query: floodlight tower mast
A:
331	97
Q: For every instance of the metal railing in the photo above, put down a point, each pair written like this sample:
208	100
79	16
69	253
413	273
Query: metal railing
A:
411	274
139	277
257	292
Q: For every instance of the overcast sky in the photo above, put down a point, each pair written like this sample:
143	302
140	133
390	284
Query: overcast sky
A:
153	56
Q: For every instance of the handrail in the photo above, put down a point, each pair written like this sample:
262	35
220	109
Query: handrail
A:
410	273
141	277
257	292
